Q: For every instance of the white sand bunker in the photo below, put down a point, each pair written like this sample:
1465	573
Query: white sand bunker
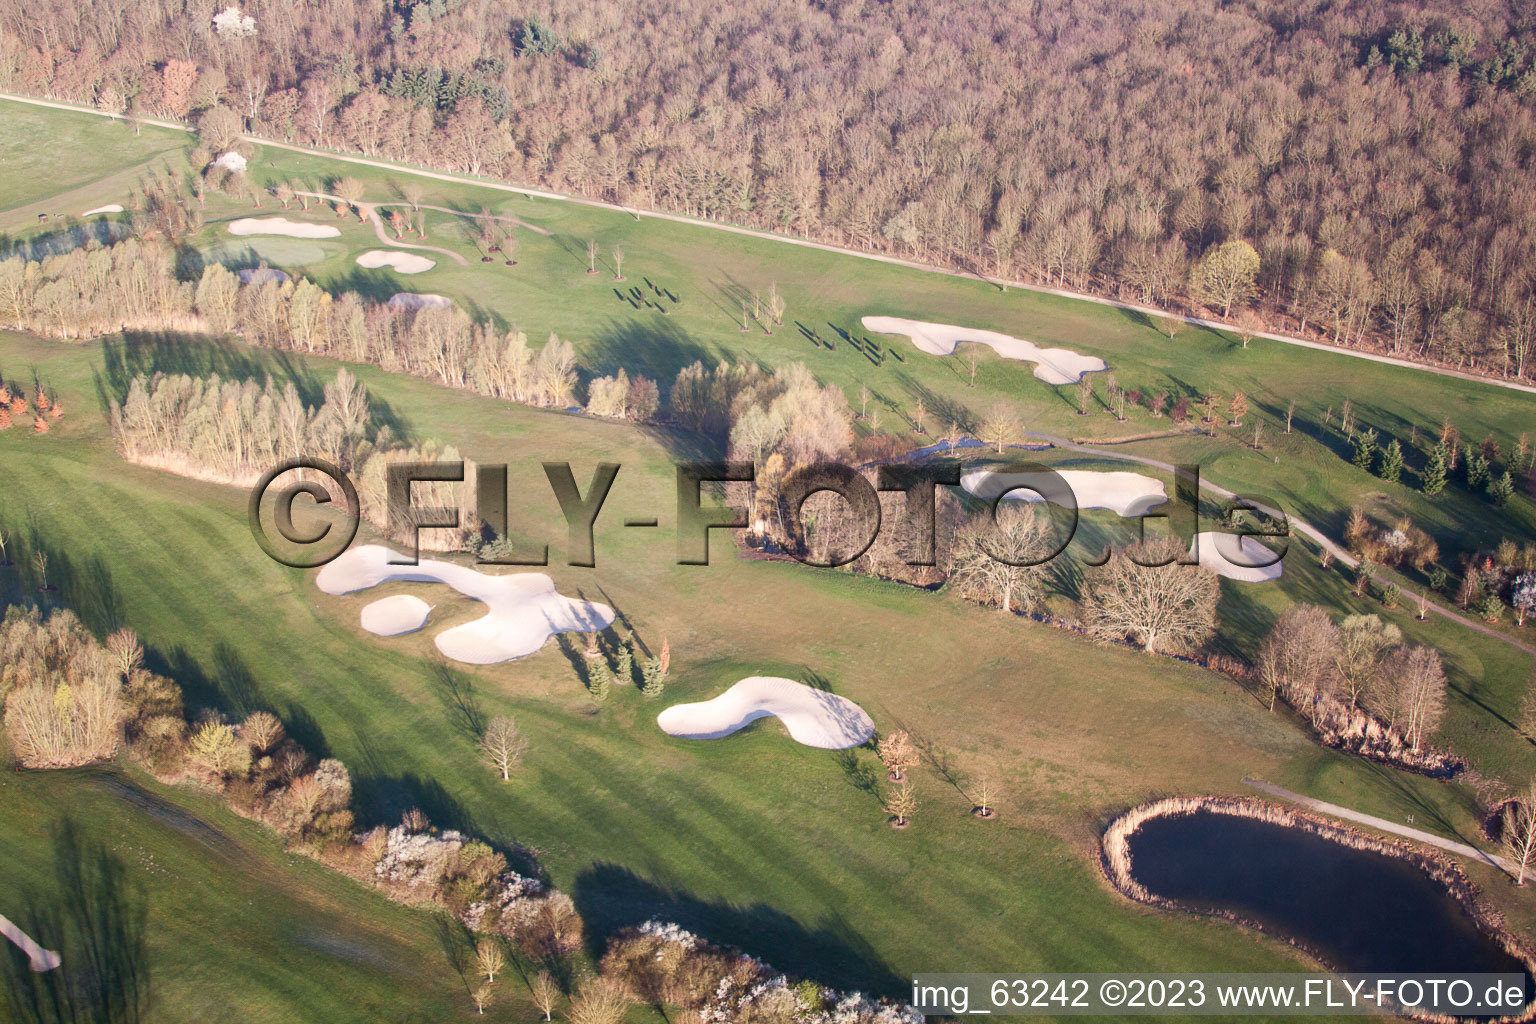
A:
1053	365
281	226
109	208
1235	555
402	262
41	959
813	717
392	616
262	275
524	609
1125	494
412	300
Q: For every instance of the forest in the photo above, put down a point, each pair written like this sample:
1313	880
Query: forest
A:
1361	167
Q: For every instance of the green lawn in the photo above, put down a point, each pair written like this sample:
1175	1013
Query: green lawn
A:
234	929
63	164
753	840
756	840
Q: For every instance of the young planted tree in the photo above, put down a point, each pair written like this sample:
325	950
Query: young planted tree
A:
490	958
897	753
900	804
591	255
5	538
503	746
775	304
413	192
919	415
1432	480
618	263
1167	608
1084	394
1002	426
984	807
1237	409
350	191
483	998
1169	324
1391	469
1290	412
40	563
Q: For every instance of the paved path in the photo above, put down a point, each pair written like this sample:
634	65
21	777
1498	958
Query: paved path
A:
1299	525
808	244
1383	825
41	959
371	213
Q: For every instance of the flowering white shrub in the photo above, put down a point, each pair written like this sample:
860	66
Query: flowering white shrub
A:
760	992
231	23
417	858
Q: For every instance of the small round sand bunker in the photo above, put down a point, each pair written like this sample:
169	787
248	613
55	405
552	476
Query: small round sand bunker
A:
281	226
400	262
392	616
414	300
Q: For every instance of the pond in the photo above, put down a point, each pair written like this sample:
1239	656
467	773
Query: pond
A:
1358	910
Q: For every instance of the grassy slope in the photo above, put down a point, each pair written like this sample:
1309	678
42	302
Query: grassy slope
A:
800	869
236	929
64	164
756	840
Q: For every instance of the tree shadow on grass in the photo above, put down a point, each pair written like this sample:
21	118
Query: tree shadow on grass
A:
95	920
610	898
456	691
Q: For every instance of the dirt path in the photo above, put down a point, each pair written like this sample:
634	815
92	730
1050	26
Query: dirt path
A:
1382	824
806	243
1298	524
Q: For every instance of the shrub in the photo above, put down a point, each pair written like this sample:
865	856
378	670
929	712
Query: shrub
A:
217	750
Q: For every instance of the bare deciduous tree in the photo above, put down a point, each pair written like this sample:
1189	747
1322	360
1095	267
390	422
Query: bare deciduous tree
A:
503	745
1418	677
1299	657
1169	608
600	1001
262	730
999	563
1002	426
897	753
1364	643
545	993
900	804
490	958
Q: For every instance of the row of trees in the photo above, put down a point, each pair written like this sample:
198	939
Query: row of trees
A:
234	431
1379	199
